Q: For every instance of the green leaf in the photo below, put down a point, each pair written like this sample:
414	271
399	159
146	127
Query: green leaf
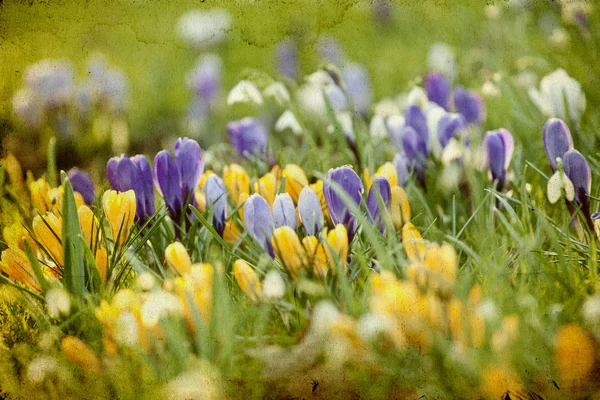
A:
52	178
94	282
37	270
74	268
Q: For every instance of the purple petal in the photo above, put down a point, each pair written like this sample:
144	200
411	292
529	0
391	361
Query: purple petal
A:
509	145
349	181
401	164
449	126
358	87
216	198
469	104
187	158
438	89
83	184
248	136
284	212
496	156
380	188
166	180
111	172
578	171
557	140
311	213
145	174
258	220
415	118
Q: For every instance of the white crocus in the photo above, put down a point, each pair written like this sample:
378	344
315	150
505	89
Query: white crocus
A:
273	286
58	303
288	120
558	90
441	58
245	92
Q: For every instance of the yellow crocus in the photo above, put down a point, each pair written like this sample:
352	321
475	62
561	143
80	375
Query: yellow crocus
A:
15	234
399	207
55	198
316	256
499	383
78	353
178	258
14	263
200	198
231	233
119	208
40	190
237	181
288	249
102	263
243	198
318	188
295	180
48	231
337	239
204	177
247	280
442	260
414	246
574	353
267	187
89	225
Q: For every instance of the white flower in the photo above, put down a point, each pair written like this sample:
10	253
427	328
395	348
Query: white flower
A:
52	80
441	59
560	38
433	114
591	310
245	92
288	120
203	383
344	118
204	28
146	281
127	329
556	89
159	304
40	367
278	92
325	315
273	286
58	303
489	89
418	96
377	128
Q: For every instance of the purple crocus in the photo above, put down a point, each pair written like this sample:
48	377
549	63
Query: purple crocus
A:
469	104
216	198
284	212
415	118
248	136
126	174
378	201
346	179
258	220
498	146
310	211
557	140
578	171
205	79
82	184
401	163
177	179
438	89
286	59
394	126
358	87
415	150
450	126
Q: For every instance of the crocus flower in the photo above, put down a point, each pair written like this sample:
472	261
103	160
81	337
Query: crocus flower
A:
247	280
216	197
438	89
401	163
578	171
399	207
558	90
205	78
14	263
258	220
309	209
450	126
83	184
48	232
349	182
358	87
134	173
177	179
378	193
338	241
248	136
295	180
415	150
286	59
499	147
557	140
119	208
284	212
289	250
469	104
415	118
178	258
237	182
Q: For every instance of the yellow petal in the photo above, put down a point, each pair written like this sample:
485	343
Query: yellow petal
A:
80	354
338	241
89	225
414	246
237	181
119	208
267	187
102	263
178	258
288	249
14	263
399	207
295	180
247	280
48	231
388	171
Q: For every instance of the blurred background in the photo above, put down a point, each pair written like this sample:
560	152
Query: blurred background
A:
141	58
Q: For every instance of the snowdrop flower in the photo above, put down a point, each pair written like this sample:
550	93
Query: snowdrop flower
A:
288	120
311	97
557	90
273	286
278	92
204	28
441	58
58	303
245	92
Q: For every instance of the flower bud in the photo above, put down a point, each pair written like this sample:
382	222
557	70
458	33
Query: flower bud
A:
247	280
284	212
82	184
237	181
557	140
288	250
249	137
438	89
295	180
178	258
378	201
469	104
119	209
348	181
216	198
310	211
258	220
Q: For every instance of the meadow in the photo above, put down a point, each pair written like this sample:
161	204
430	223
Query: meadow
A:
355	199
